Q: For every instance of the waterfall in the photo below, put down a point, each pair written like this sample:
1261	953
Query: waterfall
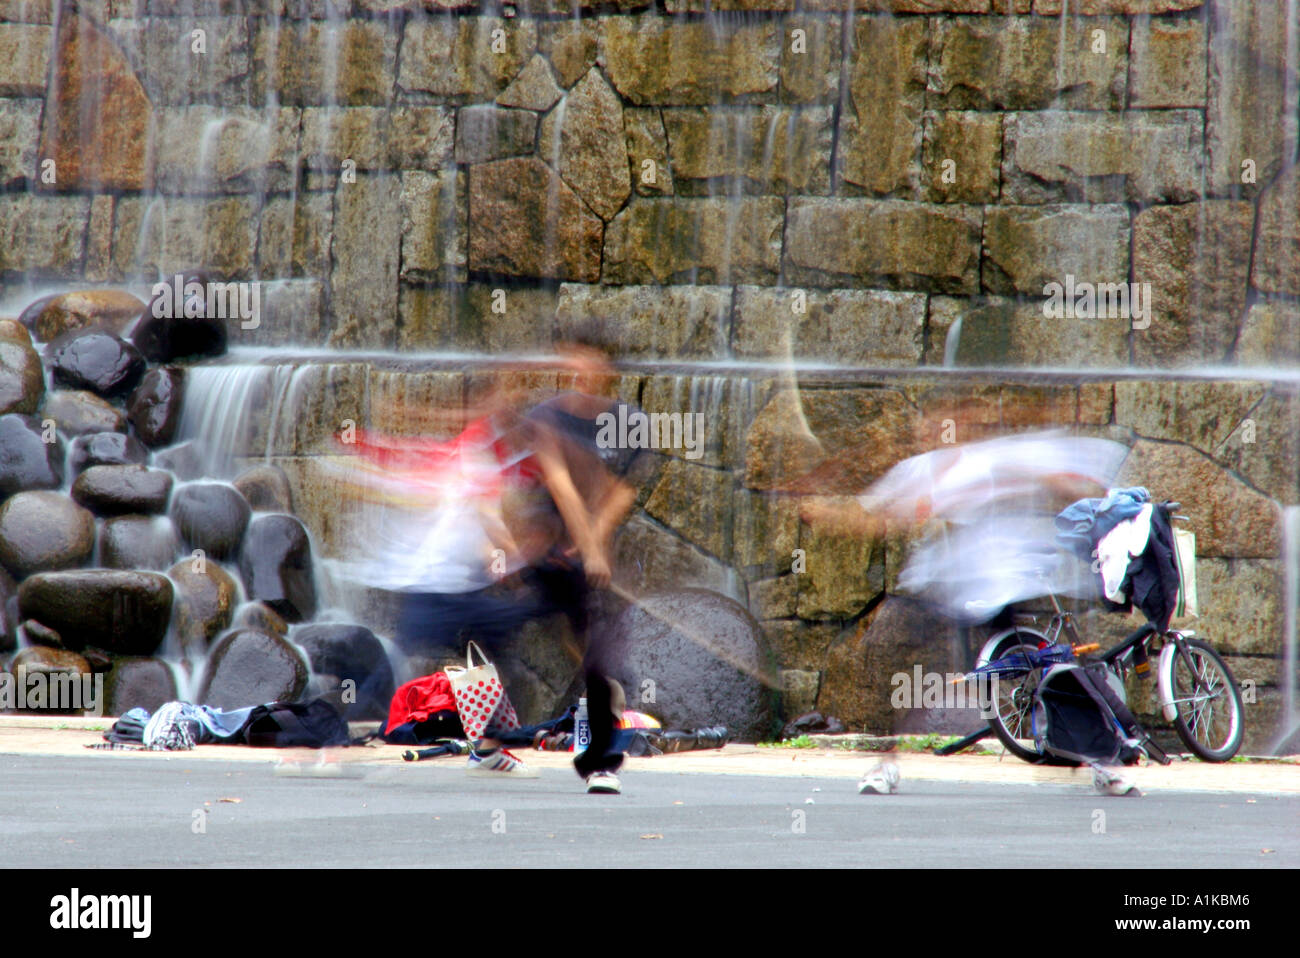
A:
1290	719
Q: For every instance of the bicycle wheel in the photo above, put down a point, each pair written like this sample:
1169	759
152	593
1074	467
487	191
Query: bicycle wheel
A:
1210	718
1012	721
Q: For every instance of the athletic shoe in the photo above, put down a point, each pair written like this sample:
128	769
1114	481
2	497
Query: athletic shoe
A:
880	780
603	783
498	762
1107	782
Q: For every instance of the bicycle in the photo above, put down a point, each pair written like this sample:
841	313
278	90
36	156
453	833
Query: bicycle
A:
1197	691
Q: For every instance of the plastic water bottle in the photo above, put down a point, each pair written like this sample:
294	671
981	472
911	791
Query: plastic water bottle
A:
581	728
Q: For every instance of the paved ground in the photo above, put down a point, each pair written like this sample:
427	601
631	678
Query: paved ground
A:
66	806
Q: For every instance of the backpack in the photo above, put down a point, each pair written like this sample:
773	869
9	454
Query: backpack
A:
1079	716
315	724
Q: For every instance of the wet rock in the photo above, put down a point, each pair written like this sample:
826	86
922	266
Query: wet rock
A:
33	309
880	134
653	61
119	490
276	566
1250	113
187	323
266	488
526	221
211	516
486	132
1027	247
27	461
91	77
891	242
649	558
1026	63
895	638
138	542
655	321
534	89
704	655
586	134
205	599
1270	335
184	459
155	407
96	360
1277	249
67	687
100	661
763	150
1232	519
122	612
38	634
77	412
135	682
340	654
261	618
22	380
460	56
697	240
44	531
105	449
252	668
112	309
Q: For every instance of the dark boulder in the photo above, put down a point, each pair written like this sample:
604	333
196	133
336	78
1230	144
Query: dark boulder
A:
34	309
123	490
133	682
105	449
44	531
113	309
211	516
266	488
122	612
260	616
251	668
169	330
138	542
22	379
695	658
65	685
38	634
155	407
77	412
205	601
276	566
343	654
27	461
96	360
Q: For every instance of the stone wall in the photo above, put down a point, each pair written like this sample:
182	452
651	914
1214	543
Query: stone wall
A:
838	180
831	617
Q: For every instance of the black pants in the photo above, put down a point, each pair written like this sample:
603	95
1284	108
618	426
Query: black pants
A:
561	585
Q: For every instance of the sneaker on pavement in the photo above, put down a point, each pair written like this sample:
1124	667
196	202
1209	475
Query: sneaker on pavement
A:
603	783
880	780
1107	782
498	762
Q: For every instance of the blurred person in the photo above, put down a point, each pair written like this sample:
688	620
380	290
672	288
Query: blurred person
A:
585	487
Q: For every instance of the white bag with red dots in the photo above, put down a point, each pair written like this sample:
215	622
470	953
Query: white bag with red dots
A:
480	696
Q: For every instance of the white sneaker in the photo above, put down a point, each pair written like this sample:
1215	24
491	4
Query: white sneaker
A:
499	762
603	783
880	780
1107	782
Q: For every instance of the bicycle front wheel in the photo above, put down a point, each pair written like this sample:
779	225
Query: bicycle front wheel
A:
1011	715
1210	717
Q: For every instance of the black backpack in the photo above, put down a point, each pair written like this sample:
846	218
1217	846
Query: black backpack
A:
1080	717
316	724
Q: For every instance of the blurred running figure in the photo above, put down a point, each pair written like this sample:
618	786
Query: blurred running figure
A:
586	486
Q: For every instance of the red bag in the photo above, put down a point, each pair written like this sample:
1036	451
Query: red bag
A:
419	698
